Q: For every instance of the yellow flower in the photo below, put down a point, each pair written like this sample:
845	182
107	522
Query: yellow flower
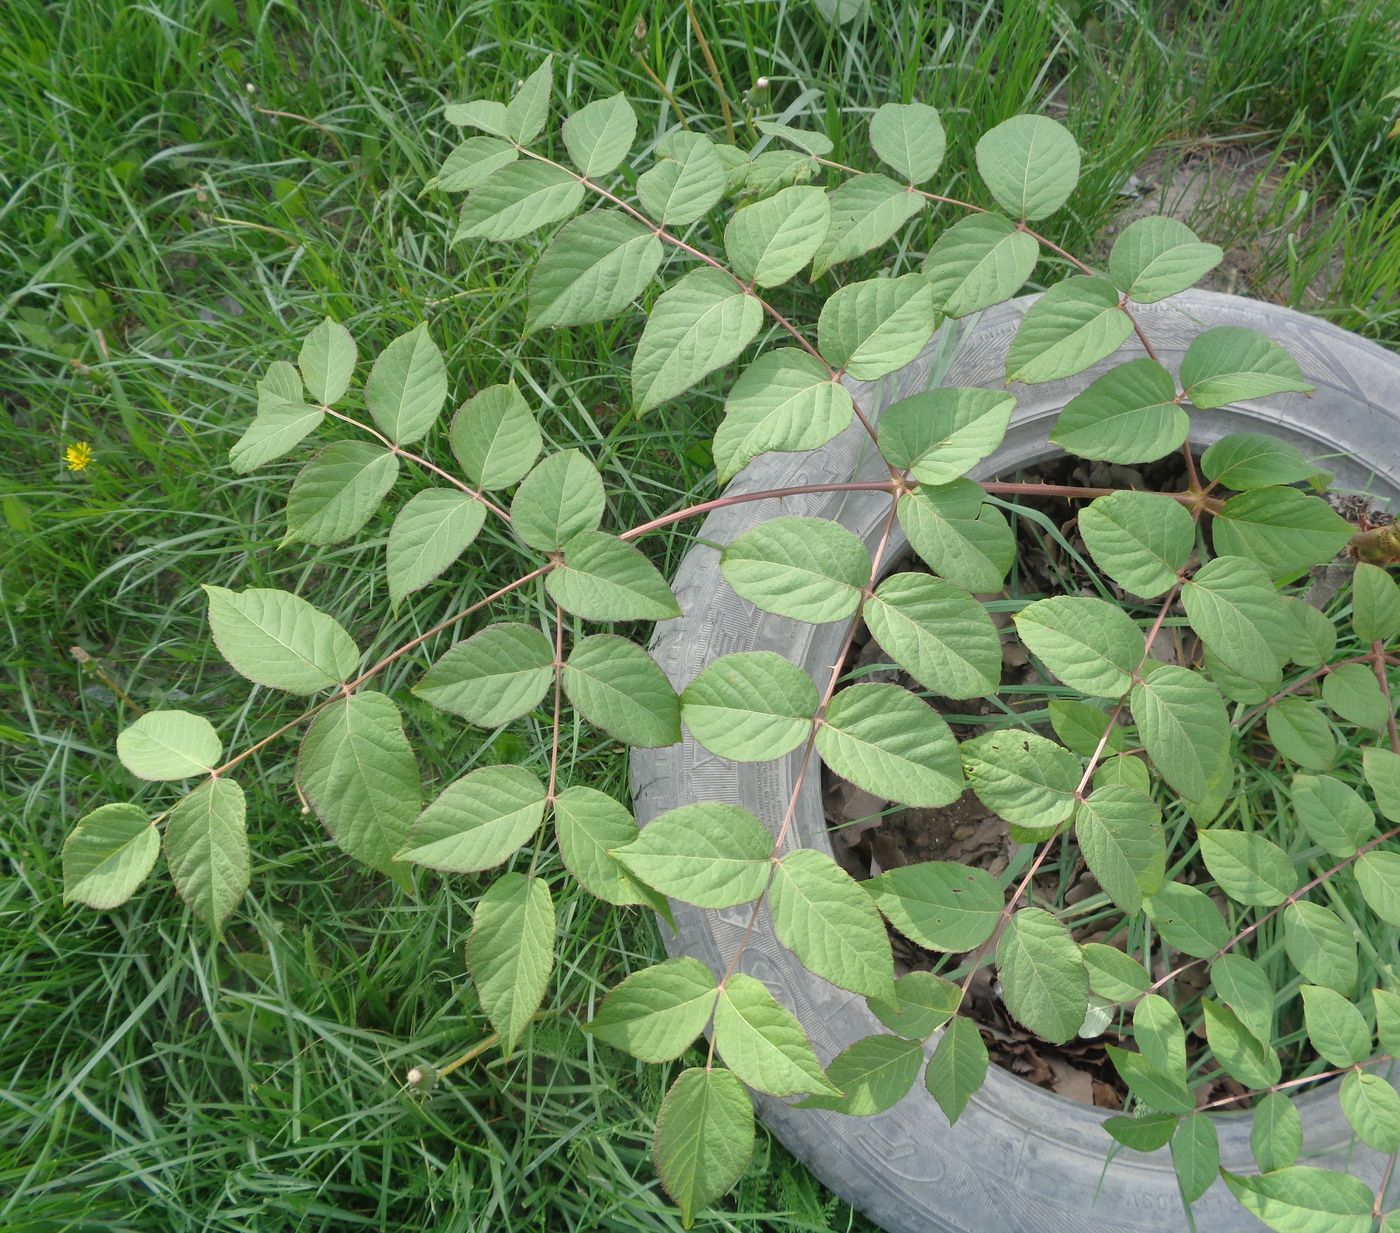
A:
78	455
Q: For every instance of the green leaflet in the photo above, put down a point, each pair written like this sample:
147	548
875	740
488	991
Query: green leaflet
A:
1156	257
908	137
873	1075
592	270
1387	1019
962	539
1153	1088
1143	1132
1023	776
528	112
1248	867
206	847
603	578
359	773
1378	875
1072	326
407	386
510	953
279	427
1195	1151
1375	604
277	639
940	904
885	740
430	532
1231	364
811	569
824	917
704	1138
1188	919
1320	945
472	161
1285	530
1276	1134
1335	1027
1159	1035
1181	717
1081	726
921	1004
751	706
599	135
338	491
477	821
1240	1053
806	140
495	437
1382	771
169	745
327	362
752	177
1030	164
589	824
938	633
560	498
1245	988
281	381
495	676
1333	814
866	211
869	329
1139	539
1233	606
700	324
1301	1199
517	199
1091	645
1042	975
1245	460
1127	415
957	1068
617	686
1126	770
1112	974
784	400
485	114
708	854
979	261
763	1043
108	855
1300	732
770	241
1372	1107
686	183
1354	694
941	434
1314	636
657	1013
1120	834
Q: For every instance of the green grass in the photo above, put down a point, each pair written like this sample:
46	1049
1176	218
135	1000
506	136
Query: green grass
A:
187	186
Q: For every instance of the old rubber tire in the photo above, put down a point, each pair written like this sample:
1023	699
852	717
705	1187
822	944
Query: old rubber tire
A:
1021	1159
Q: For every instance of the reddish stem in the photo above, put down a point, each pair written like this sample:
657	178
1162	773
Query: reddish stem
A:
1269	915
558	702
1378	660
422	462
1291	1083
346	690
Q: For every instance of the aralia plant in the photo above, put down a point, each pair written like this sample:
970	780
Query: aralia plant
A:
1138	771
